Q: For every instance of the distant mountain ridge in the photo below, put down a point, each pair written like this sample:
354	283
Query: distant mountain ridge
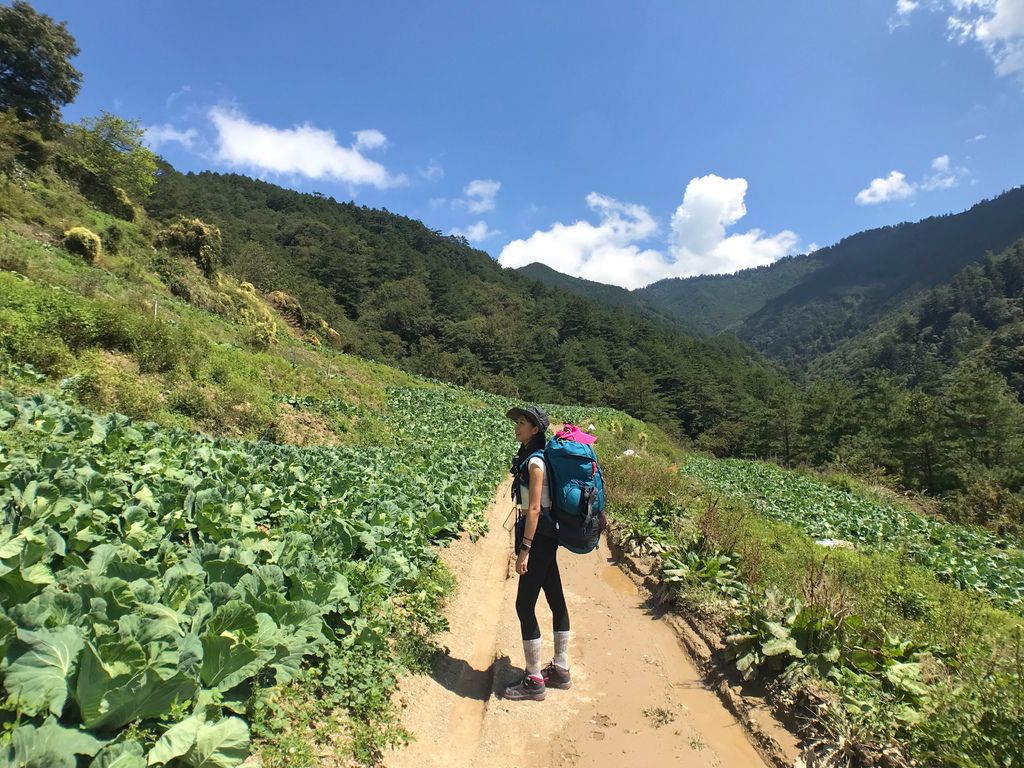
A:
803	307
608	296
717	303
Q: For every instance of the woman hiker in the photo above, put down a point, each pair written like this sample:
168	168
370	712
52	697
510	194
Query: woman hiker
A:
535	561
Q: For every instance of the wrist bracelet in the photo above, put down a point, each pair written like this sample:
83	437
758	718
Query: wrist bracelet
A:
524	548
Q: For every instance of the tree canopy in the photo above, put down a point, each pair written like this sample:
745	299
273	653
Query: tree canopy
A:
36	75
110	149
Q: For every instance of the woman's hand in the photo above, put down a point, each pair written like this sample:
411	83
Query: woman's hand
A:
522	561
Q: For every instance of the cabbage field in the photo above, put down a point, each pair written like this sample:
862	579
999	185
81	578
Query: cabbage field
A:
158	577
971	559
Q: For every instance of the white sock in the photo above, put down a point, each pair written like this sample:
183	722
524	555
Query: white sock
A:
532	650
562	649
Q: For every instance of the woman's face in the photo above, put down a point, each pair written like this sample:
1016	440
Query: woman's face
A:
525	429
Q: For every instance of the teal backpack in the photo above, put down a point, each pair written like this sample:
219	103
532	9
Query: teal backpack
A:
576	489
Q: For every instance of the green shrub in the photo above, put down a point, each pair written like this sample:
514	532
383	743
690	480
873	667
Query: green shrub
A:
113	238
190	400
20	142
83	242
44	316
24	344
196	240
10	259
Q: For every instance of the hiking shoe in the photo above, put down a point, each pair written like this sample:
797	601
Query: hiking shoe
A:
527	689
556	677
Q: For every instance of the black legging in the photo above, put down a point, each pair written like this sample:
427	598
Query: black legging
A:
541	573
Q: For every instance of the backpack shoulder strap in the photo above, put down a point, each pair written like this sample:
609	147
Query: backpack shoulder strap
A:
524	474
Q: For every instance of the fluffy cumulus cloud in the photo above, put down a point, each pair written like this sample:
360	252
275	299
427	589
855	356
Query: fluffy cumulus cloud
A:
611	250
943	175
893	187
896	186
476	233
605	252
996	25
303	150
158	135
700	245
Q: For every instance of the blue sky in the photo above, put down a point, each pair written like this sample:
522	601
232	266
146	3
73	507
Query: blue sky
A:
622	142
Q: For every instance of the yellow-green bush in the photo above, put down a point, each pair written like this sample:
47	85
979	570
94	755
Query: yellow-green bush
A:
83	242
288	306
262	335
196	240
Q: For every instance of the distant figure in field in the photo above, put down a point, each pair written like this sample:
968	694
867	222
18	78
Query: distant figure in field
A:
536	564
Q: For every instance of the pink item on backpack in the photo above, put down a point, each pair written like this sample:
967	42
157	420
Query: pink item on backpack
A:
575	434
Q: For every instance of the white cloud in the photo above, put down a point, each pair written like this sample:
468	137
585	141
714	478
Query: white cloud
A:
476	233
480	194
944	176
996	25
903	10
1002	34
610	251
896	186
710	205
893	187
304	150
370	139
605	252
976	139
158	135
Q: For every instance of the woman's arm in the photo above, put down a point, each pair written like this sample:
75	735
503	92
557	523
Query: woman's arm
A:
532	516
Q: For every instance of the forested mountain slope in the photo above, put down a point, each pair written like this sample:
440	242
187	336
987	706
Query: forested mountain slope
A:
402	293
716	303
978	315
610	296
865	275
805	306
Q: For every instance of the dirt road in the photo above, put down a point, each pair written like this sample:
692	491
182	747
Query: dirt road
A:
636	698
